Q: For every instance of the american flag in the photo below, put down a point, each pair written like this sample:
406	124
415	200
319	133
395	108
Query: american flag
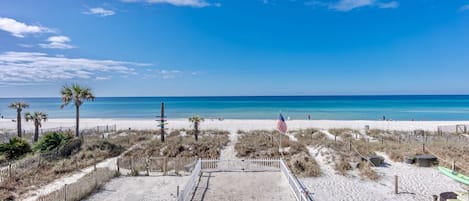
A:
281	125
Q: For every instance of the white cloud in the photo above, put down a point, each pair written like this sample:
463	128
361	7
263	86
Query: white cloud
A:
190	3
23	68
100	12
348	5
169	74
391	4
464	8
25	45
20	29
103	77
57	42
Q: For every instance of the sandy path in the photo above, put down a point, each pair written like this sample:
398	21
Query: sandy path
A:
229	153
244	186
415	184
161	188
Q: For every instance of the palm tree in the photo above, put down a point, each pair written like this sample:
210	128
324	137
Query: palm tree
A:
77	94
19	106
196	121
37	118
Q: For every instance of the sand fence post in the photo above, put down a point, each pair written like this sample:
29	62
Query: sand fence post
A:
453	166
118	168
177	191
9	169
350	145
65	192
396	184
423	147
147	165
164	166
435	197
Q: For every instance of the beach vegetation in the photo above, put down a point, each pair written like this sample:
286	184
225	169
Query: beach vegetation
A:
37	118
265	144
181	144
196	120
52	141
78	95
15	148
18	106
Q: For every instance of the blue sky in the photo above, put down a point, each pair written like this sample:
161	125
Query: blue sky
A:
248	47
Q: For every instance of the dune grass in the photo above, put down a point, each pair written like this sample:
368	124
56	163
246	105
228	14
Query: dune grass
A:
265	144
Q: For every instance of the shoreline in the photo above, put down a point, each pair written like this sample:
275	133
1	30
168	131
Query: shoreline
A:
236	124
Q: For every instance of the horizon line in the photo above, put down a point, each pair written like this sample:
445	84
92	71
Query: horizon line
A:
214	96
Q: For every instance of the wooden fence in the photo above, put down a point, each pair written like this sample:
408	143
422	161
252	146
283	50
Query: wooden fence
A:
191	184
240	165
164	165
82	187
5	135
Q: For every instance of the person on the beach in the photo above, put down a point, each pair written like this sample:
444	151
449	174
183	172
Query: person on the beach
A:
309	117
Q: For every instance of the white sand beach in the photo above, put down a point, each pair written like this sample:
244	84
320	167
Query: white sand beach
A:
238	124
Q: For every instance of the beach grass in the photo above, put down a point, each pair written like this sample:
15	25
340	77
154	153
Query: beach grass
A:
265	144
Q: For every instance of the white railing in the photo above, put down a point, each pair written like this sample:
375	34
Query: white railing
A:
192	183
250	165
297	188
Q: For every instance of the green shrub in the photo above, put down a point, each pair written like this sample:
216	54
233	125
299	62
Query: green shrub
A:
104	145
52	141
15	148
70	147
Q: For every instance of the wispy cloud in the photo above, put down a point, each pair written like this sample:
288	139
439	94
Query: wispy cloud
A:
20	29
348	5
190	3
168	74
57	42
99	12
464	8
391	4
22	68
164	74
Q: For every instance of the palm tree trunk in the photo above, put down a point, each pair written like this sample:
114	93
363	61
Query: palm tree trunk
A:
18	122
36	133
196	132
77	121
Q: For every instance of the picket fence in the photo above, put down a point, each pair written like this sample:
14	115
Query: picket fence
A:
82	187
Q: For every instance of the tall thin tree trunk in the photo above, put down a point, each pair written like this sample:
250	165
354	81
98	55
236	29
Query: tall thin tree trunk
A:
196	132
18	121
36	133
77	128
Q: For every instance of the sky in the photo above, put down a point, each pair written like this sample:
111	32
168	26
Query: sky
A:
234	48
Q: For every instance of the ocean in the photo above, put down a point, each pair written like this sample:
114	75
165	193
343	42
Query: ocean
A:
432	107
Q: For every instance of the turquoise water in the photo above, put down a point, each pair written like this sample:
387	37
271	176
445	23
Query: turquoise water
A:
265	107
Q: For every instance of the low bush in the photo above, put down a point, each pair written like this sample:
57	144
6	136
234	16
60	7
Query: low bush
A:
52	141
15	148
70	148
